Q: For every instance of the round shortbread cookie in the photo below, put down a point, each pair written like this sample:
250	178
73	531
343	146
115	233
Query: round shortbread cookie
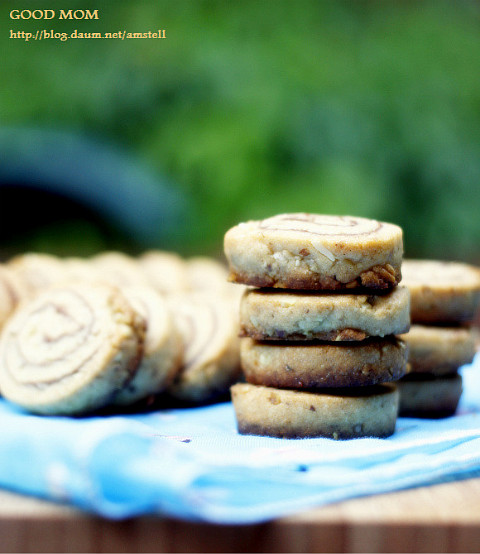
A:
344	414
162	353
204	273
319	364
11	293
442	292
82	269
439	350
36	272
429	398
165	271
119	269
209	275
208	326
315	252
69	350
272	314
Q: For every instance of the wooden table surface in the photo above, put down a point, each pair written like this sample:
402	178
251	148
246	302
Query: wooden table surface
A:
440	518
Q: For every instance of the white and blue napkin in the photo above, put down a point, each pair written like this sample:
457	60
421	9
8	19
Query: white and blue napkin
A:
192	463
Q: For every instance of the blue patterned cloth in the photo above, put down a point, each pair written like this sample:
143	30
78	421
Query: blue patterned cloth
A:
192	463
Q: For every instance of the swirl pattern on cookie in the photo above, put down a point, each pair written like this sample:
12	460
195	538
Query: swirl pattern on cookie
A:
70	349
36	272
162	352
11	293
322	225
165	271
119	269
208	326
315	252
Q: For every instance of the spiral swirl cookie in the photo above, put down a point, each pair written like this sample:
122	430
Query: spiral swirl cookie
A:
273	315
70	349
205	273
343	414
316	364
442	292
82	269
208	326
161	357
165	271
11	293
35	272
315	252
119	269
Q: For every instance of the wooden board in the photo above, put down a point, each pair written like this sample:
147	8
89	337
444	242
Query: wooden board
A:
441	518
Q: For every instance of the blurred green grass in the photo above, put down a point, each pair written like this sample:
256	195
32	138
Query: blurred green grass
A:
252	108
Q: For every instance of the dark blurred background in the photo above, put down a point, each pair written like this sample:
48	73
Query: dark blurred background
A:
246	109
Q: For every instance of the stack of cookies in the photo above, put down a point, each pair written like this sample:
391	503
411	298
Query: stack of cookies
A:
319	350
445	297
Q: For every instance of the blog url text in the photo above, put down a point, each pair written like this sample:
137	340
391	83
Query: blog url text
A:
45	34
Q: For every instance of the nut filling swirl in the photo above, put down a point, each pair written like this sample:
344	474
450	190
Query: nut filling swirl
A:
70	349
322	224
209	334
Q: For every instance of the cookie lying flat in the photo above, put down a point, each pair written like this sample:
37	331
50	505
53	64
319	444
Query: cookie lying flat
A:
429	397
162	353
442	292
321	364
439	350
208	326
348	413
271	314
320	252
70	349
